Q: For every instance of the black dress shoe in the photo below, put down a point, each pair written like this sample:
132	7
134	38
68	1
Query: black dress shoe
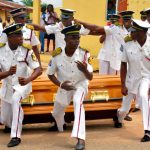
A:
135	109
55	128
117	124
128	118
7	129
14	142
146	138
80	146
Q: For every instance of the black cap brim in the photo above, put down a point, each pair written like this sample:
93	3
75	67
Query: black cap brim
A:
65	16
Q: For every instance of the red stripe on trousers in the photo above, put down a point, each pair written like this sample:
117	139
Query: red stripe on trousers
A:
18	118
18	121
79	114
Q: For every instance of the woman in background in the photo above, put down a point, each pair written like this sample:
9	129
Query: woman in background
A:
51	18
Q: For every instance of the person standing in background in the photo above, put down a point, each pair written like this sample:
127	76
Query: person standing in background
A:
8	22
51	18
42	23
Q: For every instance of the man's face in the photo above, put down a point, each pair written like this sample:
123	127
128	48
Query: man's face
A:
16	38
20	19
127	23
67	22
72	41
49	8
148	18
143	18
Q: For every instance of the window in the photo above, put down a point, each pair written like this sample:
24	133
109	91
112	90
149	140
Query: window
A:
111	7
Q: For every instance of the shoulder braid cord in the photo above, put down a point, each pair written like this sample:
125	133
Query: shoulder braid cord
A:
31	35
25	60
85	57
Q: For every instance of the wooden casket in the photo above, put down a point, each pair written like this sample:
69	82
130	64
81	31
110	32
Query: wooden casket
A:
103	99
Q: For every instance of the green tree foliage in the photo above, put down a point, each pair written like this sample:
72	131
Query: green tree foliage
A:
30	3
27	2
43	5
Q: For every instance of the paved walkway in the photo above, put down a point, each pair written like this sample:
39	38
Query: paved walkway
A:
101	135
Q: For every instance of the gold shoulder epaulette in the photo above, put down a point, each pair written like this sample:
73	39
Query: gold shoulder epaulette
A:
2	44
29	26
127	39
83	49
57	52
117	23
27	46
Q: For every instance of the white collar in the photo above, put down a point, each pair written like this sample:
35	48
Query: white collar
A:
76	53
62	26
8	50
147	42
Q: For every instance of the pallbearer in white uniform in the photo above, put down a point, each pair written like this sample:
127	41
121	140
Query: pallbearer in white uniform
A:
19	16
117	40
73	71
143	43
127	23
15	59
106	52
139	49
130	78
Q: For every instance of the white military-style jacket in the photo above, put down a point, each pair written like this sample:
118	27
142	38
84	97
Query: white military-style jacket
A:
116	42
24	59
66	69
124	32
59	37
132	56
105	51
28	36
148	32
145	58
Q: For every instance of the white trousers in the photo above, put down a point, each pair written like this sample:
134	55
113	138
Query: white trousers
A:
78	130
143	93
105	68
12	115
138	103
126	105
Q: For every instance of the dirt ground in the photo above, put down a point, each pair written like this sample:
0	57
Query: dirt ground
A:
101	135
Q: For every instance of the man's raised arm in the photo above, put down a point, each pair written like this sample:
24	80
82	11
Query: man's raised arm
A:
97	30
38	27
